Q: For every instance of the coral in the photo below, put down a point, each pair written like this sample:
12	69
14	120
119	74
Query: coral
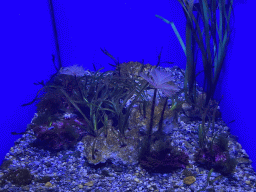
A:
216	155
50	103
18	177
159	79
217	158
53	104
222	142
61	135
132	69
162	160
48	107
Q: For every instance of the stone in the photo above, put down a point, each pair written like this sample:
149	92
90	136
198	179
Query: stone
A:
109	147
189	180
89	184
48	184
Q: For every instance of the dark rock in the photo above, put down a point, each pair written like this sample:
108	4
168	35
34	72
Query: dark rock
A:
19	177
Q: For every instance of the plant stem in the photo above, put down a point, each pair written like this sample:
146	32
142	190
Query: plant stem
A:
151	121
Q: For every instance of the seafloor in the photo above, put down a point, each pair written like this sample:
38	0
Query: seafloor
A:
29	168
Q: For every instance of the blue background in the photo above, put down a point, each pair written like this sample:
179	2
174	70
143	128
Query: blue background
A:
129	31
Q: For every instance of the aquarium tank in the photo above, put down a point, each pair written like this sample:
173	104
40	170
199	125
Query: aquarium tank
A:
127	96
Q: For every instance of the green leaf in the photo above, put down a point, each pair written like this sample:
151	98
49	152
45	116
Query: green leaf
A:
175	31
77	108
174	106
208	180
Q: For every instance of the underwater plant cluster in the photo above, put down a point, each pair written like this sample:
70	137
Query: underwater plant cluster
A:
73	106
76	103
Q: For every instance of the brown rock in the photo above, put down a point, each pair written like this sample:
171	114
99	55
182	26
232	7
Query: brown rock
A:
189	180
111	147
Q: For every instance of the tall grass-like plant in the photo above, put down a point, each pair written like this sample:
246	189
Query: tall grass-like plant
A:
91	94
117	103
211	54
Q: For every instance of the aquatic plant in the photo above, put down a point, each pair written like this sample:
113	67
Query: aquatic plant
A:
18	177
50	107
125	88
52	102
202	130
93	91
210	154
71	93
162	160
70	83
213	154
212	55
60	135
159	80
141	116
198	109
123	92
216	156
208	180
217	159
95	98
106	98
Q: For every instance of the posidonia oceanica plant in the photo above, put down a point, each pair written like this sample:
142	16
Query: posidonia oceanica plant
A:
212	54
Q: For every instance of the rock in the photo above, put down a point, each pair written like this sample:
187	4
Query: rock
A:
19	177
131	69
110	147
243	161
89	184
48	184
189	180
187	173
186	107
137	180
